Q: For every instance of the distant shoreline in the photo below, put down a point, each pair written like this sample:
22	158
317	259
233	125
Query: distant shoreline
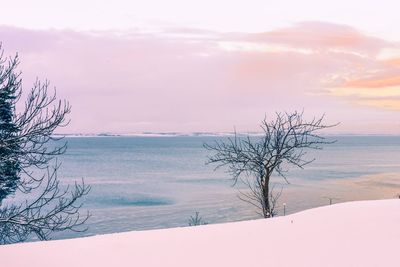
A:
205	134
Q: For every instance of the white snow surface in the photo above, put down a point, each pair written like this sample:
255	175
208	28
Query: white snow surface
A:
364	233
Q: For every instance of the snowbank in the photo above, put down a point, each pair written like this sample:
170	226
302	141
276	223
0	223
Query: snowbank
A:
365	233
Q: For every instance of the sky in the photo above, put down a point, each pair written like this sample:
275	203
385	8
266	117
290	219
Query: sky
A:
210	66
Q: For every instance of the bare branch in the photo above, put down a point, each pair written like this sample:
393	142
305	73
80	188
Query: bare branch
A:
27	149
284	143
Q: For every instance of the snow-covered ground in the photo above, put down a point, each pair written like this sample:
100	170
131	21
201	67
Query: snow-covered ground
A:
365	233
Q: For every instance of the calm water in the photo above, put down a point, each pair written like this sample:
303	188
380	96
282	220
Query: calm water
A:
158	182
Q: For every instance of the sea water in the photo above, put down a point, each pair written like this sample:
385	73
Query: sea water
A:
140	183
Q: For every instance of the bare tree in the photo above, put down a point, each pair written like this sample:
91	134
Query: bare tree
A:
254	160
32	128
28	149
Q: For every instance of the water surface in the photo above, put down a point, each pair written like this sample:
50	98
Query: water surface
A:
158	182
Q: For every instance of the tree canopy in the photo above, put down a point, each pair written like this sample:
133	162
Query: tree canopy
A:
28	166
283	142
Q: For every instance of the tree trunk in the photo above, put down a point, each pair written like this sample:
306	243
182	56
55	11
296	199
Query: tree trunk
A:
265	192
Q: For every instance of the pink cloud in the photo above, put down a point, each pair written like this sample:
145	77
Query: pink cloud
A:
182	80
323	36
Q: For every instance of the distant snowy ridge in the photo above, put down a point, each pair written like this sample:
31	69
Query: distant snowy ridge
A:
195	134
161	134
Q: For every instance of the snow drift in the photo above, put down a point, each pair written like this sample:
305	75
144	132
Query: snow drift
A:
365	233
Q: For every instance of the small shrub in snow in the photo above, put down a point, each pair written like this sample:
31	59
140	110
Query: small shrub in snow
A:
196	220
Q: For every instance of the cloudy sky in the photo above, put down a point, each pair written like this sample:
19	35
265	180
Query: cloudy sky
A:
184	65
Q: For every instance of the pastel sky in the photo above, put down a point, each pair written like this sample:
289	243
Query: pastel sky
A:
184	66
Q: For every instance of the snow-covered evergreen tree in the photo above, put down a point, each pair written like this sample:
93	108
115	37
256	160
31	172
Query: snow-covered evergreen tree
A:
28	151
9	147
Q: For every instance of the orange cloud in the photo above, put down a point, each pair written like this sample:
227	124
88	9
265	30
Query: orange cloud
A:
391	104
375	83
393	61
